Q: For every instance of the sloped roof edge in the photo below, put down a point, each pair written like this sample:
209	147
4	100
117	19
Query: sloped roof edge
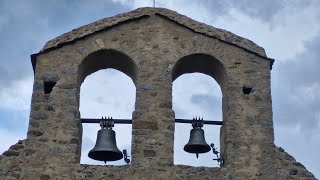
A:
183	20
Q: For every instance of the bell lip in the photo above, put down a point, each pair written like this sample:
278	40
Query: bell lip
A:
202	148
98	155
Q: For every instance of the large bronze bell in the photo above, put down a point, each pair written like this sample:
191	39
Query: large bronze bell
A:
106	147
197	143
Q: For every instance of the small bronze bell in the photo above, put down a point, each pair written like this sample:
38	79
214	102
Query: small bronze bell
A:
106	146
197	143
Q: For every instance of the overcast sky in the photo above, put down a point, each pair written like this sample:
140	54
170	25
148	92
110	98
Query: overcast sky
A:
289	30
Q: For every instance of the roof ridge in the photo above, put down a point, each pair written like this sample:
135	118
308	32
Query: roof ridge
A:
196	26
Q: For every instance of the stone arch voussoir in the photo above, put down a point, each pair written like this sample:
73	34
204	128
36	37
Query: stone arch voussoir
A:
107	58
201	63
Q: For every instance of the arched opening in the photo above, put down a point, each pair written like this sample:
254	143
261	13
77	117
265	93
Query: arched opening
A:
198	84
109	91
196	94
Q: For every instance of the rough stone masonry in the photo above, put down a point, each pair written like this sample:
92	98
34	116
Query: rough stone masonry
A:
153	46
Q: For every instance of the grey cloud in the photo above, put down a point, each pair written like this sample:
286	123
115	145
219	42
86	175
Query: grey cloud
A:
210	105
296	98
99	100
27	25
262	9
202	98
3	74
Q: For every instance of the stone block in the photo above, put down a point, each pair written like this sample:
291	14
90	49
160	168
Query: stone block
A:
152	125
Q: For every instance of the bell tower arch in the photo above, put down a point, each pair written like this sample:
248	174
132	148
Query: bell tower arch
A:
153	46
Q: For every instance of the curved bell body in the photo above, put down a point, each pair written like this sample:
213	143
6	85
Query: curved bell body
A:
106	147
197	143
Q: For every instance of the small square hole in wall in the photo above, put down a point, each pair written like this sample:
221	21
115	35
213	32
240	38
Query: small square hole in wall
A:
247	90
48	86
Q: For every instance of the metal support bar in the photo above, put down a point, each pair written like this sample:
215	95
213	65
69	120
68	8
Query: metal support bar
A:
204	121
129	121
116	121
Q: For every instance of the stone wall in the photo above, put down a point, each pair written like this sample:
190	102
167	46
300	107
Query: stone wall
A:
152	51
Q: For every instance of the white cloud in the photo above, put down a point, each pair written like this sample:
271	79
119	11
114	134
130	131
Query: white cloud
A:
301	146
11	137
17	96
188	8
15	108
306	94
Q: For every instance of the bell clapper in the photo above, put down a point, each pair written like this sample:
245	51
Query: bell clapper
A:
219	159
125	156
197	155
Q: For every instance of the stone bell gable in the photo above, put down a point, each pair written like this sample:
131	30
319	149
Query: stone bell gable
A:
153	46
